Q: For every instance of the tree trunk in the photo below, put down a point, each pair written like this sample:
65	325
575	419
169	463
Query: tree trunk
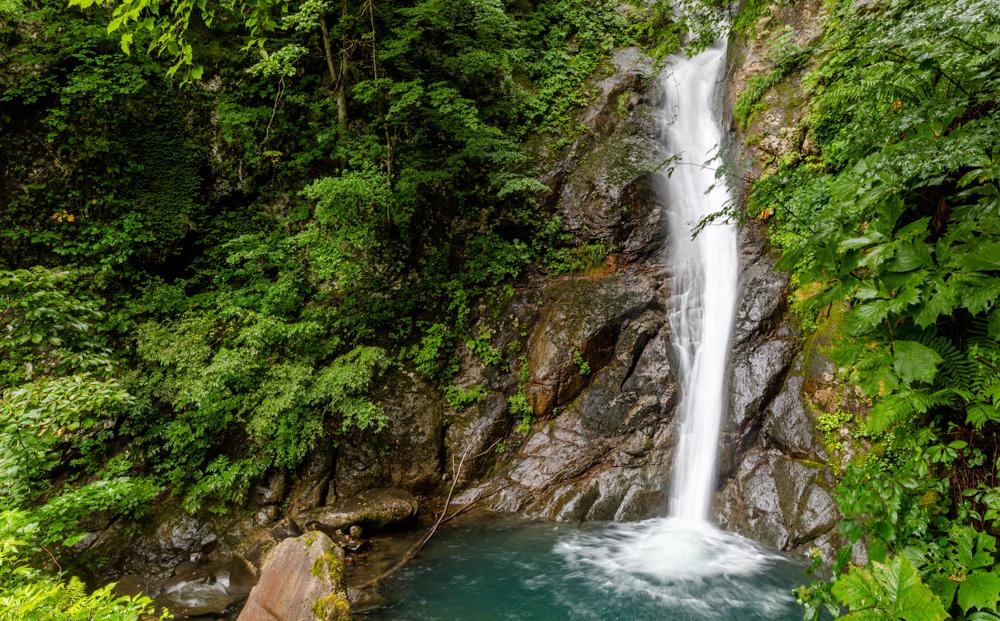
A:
339	78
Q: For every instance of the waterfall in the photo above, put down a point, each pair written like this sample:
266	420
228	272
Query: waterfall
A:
671	559
704	275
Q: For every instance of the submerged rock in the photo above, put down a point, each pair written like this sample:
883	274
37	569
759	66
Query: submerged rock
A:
302	579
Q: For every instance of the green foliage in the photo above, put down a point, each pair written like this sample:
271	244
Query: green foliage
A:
520	409
576	259
30	594
58	406
48	325
785	56
41	420
482	348
581	363
254	266
461	398
888	591
897	215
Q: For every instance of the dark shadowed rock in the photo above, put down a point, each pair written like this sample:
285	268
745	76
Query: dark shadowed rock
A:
761	308
271	491
580	322
407	453
303	579
309	489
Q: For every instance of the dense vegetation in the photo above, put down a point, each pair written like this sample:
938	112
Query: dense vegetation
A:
215	246
890	220
223	223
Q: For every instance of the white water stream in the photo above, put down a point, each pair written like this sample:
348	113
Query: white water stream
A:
704	272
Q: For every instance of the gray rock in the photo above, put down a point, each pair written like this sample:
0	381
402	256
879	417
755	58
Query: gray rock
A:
580	320
309	489
785	503
789	426
764	289
602	457
374	510
408	453
270	491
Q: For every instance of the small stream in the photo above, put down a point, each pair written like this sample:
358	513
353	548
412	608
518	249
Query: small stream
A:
662	569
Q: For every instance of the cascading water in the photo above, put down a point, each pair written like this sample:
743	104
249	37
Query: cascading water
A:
675	558
678	568
704	276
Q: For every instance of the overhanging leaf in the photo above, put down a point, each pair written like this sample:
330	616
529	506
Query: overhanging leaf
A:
915	362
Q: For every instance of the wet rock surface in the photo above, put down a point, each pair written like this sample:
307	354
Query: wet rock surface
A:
603	183
604	442
580	323
783	502
212	589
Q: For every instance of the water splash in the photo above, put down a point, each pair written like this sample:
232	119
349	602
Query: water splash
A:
704	272
686	565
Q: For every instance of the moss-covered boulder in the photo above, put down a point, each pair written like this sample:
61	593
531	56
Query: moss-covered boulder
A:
303	579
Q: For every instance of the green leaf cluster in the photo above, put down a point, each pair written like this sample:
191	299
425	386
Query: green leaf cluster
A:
893	216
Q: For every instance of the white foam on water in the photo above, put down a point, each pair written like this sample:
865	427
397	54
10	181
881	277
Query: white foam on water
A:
683	563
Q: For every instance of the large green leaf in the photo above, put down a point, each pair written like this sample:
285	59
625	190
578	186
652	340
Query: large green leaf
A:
982	257
980	589
915	362
888	591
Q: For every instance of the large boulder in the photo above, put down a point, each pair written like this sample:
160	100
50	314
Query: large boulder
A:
577	332
608	176
782	502
373	510
608	450
303	579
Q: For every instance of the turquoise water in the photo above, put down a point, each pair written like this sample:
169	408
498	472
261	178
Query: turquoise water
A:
660	569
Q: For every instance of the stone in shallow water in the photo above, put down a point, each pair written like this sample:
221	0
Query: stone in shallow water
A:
215	588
